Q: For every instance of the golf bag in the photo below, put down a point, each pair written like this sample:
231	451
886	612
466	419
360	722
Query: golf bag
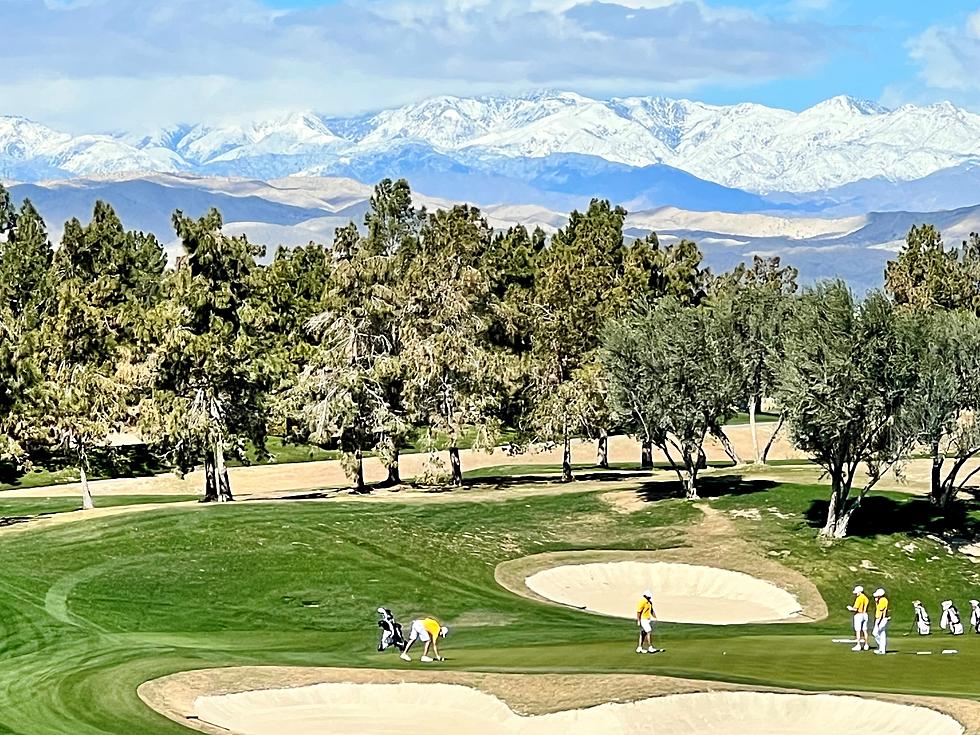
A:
922	623
391	631
951	619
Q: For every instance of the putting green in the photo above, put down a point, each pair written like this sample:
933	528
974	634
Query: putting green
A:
91	610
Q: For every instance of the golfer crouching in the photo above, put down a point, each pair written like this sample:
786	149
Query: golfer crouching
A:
428	630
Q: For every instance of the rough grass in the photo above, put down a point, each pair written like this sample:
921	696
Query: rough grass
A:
90	610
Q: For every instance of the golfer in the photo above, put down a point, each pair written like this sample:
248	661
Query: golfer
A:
883	616
860	610
975	615
428	630
645	616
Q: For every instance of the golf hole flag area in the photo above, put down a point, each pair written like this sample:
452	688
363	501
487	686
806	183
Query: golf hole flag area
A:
682	593
446	709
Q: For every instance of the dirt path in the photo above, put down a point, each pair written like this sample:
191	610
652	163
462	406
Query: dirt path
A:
271	480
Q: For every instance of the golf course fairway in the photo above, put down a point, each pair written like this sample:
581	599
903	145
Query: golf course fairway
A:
95	609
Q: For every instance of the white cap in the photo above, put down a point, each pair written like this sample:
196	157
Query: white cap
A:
648	594
880	592
947	604
381	610
444	631
975	603
857	590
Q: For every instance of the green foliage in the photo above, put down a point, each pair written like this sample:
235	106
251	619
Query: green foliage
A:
676	372
761	299
926	275
945	402
352	383
453	378
846	387
210	369
91	305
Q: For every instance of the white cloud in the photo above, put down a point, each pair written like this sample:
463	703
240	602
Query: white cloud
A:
110	64
948	57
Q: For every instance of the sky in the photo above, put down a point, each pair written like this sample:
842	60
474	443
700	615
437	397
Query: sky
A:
137	65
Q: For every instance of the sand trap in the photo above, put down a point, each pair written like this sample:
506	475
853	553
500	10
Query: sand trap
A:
682	593
448	709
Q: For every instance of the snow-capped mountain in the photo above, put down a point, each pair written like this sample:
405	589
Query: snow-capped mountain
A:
747	147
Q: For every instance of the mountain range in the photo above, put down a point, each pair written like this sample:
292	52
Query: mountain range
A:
831	189
556	149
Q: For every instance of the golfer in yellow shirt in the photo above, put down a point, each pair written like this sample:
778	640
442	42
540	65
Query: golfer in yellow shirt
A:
883	616
645	616
860	610
428	630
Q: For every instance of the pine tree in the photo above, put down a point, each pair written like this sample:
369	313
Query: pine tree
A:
25	257
342	391
210	366
102	281
453	381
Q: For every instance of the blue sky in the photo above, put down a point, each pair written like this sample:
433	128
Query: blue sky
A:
132	64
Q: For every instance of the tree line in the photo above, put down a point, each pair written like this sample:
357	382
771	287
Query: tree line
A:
434	323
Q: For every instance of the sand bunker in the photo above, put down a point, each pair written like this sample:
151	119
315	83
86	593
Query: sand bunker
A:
354	709
682	593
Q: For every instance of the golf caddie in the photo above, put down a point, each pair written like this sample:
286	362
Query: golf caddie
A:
645	617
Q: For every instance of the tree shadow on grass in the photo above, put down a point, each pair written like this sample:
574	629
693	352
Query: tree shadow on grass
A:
715	486
884	516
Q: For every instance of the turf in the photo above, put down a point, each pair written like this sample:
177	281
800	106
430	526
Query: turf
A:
90	610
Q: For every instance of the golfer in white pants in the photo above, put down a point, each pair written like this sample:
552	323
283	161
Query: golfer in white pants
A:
427	630
882	618
860	610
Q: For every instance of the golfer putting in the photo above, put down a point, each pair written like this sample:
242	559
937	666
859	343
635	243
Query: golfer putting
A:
860	610
645	617
882	619
428	630
975	615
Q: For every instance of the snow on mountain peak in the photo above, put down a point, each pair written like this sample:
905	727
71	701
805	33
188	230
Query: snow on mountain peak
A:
746	146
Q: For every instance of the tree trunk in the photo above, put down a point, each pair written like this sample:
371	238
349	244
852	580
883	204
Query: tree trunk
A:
221	474
690	486
394	473
754	430
838	513
726	444
772	439
646	455
602	450
87	502
566	459
210	482
936	489
456	466
358	480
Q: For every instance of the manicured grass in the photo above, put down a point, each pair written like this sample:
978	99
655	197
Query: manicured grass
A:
90	610
29	507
